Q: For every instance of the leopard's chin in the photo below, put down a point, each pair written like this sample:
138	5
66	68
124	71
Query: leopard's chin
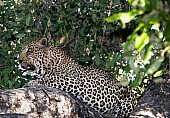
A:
27	70
31	73
31	67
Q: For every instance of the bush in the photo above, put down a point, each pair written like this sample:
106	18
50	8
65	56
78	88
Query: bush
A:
81	28
148	47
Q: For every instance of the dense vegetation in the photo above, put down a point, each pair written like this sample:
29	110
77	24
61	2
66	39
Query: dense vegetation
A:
131	39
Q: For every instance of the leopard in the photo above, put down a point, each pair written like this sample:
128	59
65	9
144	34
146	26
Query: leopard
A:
95	87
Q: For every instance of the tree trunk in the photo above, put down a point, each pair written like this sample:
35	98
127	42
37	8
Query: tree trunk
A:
42	102
155	103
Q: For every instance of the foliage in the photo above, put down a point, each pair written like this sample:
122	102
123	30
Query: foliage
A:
65	21
80	28
148	47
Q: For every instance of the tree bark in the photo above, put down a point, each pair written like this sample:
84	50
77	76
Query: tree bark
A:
42	102
155	103
45	102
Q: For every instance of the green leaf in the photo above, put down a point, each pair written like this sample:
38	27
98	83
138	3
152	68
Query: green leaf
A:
132	66
124	81
151	4
113	18
139	27
44	22
111	63
36	30
96	3
49	23
28	20
159	4
141	41
84	59
127	68
128	53
138	80
6	72
94	17
155	65
125	17
133	2
13	23
20	35
151	18
116	2
158	73
148	53
19	19
130	45
10	84
82	31
97	59
167	31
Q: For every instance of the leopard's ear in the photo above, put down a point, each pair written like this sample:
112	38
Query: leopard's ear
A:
43	42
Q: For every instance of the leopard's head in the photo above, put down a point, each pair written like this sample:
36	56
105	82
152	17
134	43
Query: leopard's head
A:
36	57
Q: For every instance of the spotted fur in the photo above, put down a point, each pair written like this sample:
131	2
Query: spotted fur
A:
96	88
